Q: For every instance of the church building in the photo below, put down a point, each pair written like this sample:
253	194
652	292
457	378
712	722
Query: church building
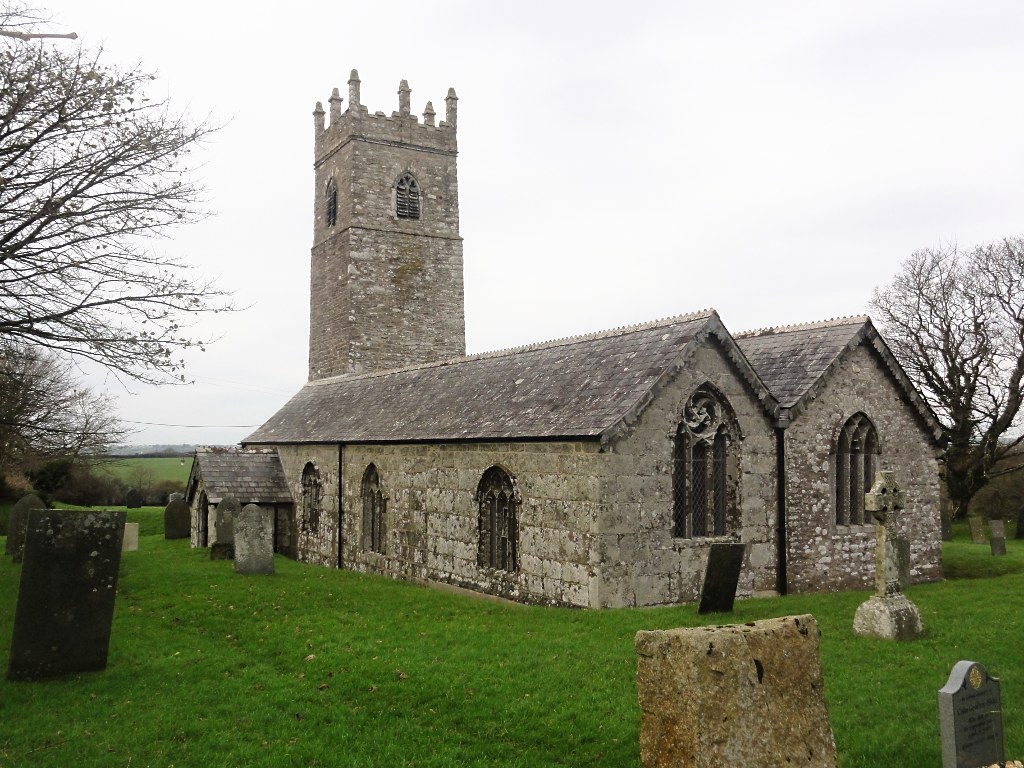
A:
592	471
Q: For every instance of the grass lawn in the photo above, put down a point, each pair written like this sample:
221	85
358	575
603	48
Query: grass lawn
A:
313	666
173	468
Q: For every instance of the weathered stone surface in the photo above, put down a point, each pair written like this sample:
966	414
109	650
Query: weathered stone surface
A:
177	519
254	540
971	718
721	577
997	534
130	543
222	551
892	617
734	695
977	529
224	520
18	524
66	595
902	547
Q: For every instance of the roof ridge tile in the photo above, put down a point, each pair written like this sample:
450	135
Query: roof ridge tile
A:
829	323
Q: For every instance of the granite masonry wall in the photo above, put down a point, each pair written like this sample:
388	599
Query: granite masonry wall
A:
314	543
642	562
826	556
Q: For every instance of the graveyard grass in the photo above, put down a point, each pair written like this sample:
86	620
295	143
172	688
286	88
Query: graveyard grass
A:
313	666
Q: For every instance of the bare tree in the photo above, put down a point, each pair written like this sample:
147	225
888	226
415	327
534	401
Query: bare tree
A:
955	321
92	174
45	413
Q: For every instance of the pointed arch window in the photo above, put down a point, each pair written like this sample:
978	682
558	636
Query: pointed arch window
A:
498	500
331	203
856	461
373	511
704	468
407	197
311	493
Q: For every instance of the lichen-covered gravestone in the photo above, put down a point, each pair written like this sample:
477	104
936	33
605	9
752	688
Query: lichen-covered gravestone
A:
66	594
18	523
223	547
177	518
970	718
739	695
887	614
131	538
997	534
254	540
977	527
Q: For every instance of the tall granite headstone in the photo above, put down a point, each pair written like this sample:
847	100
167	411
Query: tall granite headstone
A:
970	718
721	577
177	518
254	540
223	547
739	695
997	536
66	596
18	523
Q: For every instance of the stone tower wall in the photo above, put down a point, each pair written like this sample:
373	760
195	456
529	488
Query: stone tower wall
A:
385	292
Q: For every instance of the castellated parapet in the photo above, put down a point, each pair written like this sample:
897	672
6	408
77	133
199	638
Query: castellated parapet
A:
386	273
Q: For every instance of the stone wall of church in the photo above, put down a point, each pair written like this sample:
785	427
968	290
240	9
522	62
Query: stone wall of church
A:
821	554
643	563
313	540
432	516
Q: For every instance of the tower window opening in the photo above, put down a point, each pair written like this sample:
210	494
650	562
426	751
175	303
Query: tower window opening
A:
332	204
407	198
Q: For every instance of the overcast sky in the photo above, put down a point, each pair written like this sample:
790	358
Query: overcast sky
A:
618	162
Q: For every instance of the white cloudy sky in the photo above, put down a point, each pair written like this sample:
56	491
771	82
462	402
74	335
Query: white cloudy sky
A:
619	162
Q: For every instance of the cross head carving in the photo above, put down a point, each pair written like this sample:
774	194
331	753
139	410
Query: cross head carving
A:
884	501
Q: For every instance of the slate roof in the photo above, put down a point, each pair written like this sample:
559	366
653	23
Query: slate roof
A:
251	475
797	361
582	387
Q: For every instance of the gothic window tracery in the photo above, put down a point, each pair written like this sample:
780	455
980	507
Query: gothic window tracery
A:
704	458
856	460
374	505
498	500
311	493
407	197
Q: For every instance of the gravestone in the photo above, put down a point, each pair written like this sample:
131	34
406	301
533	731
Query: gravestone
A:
721	577
977	529
887	614
133	498
18	523
254	540
223	547
997	533
66	595
1019	534
970	718
903	561
738	695
177	518
177	495
130	543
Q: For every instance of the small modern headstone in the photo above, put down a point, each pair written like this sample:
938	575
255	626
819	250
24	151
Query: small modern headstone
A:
133	498
254	540
177	518
997	536
887	614
721	577
223	547
18	523
66	595
738	695
977	529
970	718
130	543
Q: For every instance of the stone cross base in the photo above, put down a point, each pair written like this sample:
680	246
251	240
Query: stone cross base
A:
890	618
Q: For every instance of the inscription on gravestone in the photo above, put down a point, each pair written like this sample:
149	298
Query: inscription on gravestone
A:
721	578
66	595
18	523
254	540
970	718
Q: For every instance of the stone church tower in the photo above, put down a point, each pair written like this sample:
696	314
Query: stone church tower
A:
386	286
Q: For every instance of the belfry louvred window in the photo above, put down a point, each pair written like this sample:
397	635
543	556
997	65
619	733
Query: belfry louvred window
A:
703	463
331	202
407	198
